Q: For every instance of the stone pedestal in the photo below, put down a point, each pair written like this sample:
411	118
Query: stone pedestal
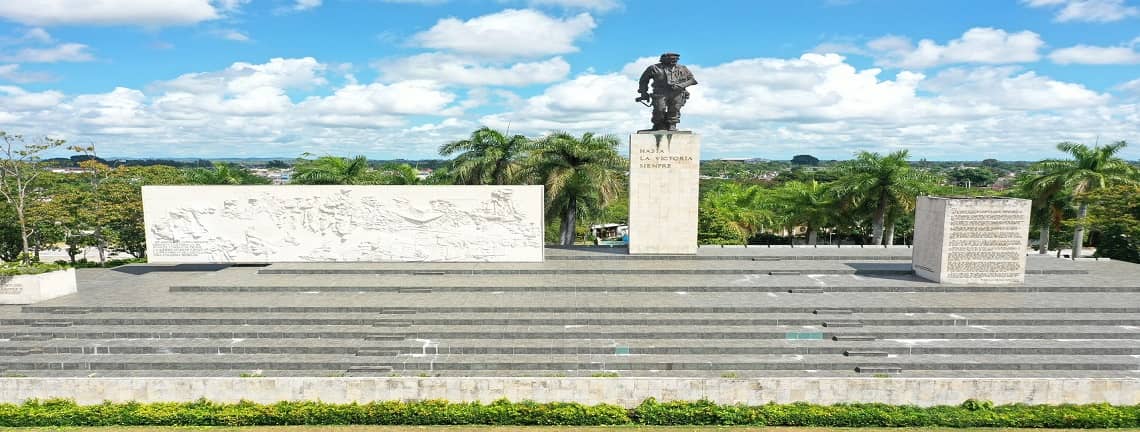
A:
971	240
664	176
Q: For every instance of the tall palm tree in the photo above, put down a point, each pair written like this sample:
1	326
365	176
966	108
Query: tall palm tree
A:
332	170
581	174
809	204
884	183
223	174
487	157
1089	169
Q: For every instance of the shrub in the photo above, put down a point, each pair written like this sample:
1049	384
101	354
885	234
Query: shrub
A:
16	269
971	413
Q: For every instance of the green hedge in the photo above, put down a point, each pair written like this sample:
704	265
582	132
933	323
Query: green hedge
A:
16	269
436	412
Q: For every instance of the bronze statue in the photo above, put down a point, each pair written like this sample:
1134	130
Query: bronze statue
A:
669	95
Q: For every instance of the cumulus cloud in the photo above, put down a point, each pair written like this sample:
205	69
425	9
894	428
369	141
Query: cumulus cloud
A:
977	45
1097	55
68	52
13	73
113	12
469	71
1087	10
233	35
509	33
306	4
753	107
596	5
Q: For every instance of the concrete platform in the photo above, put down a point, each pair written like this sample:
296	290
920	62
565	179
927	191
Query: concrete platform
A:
748	312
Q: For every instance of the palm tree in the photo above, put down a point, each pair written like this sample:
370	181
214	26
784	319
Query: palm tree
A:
741	208
399	174
487	157
332	170
580	174
1089	169
810	205
223	174
884	183
1048	206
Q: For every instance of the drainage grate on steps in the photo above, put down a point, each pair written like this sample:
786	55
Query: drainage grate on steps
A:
878	369
806	290
392	324
52	324
852	353
785	273
428	273
833	311
415	291
386	337
31	337
846	338
842	324
370	368
377	353
69	311
397	311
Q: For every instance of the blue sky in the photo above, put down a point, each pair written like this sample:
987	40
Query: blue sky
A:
948	80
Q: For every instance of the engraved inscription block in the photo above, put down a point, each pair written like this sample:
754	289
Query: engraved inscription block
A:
256	224
971	240
664	178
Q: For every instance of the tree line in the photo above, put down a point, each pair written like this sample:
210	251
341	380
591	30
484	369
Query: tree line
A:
867	200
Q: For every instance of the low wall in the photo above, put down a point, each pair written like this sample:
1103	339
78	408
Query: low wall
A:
28	289
627	392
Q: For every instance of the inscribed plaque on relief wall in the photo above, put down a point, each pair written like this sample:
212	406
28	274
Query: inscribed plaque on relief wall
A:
227	224
971	240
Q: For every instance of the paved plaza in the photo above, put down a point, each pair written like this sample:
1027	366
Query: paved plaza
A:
725	312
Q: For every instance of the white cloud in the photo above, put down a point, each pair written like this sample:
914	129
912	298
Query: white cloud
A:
596	5
112	12
758	107
469	71
509	33
12	73
1086	54
15	99
402	98
1087	10
233	35
1004	87
68	52
37	34
306	4
1130	86
977	45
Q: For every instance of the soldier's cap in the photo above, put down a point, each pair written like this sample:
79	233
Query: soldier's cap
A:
670	54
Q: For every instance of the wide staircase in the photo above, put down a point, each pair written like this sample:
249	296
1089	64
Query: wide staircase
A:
726	312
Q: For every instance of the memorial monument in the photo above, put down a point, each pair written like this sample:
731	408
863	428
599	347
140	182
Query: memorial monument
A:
664	167
263	224
971	240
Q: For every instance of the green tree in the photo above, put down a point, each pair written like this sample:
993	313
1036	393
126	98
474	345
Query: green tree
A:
224	174
1049	200
333	170
1089	169
974	177
581	175
1115	213
487	157
399	174
810	205
741	208
19	169
886	184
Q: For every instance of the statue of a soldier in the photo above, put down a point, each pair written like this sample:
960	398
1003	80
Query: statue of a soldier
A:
669	95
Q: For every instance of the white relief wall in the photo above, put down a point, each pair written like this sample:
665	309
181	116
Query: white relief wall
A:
224	224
